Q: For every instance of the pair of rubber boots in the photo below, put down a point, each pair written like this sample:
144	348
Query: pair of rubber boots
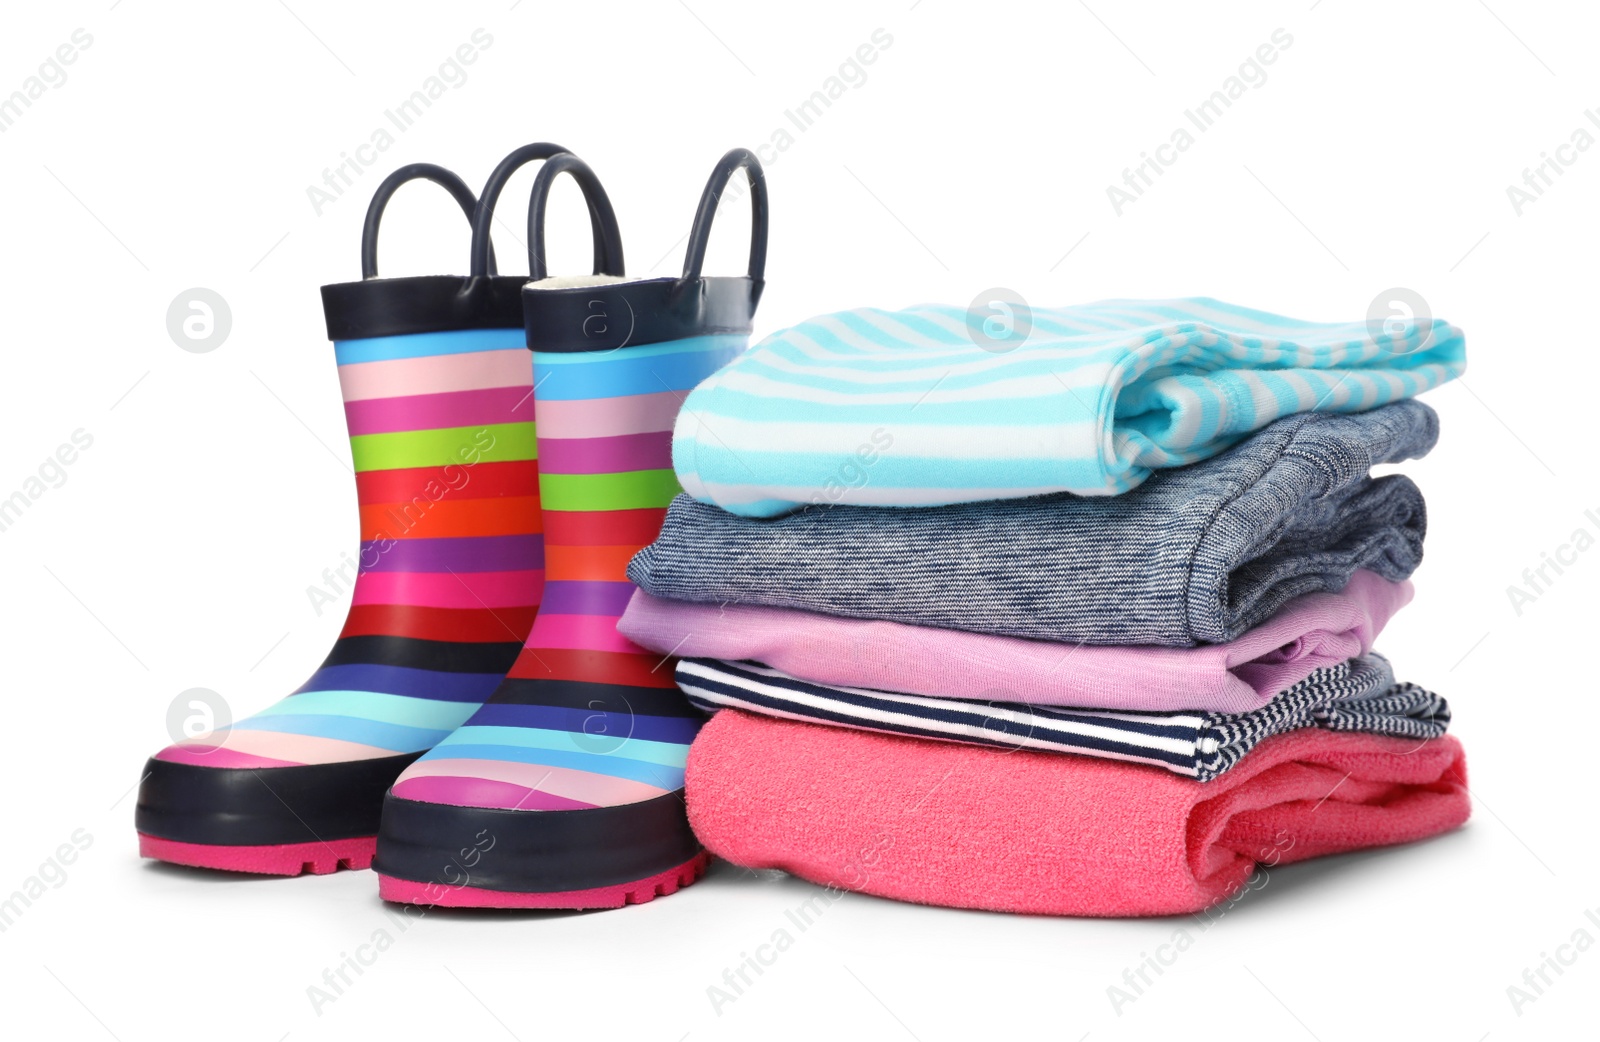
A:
480	734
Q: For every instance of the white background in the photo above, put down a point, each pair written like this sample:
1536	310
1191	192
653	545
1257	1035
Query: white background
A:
977	153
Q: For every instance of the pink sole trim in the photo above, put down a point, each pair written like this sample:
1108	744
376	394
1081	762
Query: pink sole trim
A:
404	891
286	859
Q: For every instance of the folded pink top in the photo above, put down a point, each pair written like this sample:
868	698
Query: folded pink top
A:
972	827
1317	630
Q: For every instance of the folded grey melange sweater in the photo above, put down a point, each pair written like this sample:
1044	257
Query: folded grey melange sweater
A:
1195	555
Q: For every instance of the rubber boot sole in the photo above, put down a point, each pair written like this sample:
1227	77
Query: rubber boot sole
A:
281	859
476	857
404	891
280	821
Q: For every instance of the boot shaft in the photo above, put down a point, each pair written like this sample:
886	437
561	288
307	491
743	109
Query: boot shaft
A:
443	439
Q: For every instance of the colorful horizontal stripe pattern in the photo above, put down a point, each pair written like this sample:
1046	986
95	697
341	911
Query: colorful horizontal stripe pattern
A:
452	555
586	718
905	408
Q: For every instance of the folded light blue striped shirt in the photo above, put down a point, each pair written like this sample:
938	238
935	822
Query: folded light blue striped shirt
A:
904	408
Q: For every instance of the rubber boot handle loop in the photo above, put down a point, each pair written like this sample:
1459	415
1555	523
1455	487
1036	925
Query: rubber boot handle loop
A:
608	247
603	225
700	232
380	200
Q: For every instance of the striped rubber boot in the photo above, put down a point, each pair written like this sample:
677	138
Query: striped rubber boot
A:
565	790
446	587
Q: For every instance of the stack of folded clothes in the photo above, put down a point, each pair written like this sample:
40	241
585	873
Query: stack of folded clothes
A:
1085	627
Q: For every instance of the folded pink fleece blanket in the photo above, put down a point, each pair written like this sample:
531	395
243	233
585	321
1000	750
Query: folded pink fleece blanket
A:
972	827
1309	633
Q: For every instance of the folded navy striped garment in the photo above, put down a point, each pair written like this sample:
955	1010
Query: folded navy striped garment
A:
934	408
1358	695
1195	555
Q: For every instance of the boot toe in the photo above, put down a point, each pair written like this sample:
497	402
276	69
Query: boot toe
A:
236	814
495	839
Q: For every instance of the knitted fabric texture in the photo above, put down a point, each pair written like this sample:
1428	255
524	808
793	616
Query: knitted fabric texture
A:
1195	555
966	826
933	407
1359	695
1310	632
